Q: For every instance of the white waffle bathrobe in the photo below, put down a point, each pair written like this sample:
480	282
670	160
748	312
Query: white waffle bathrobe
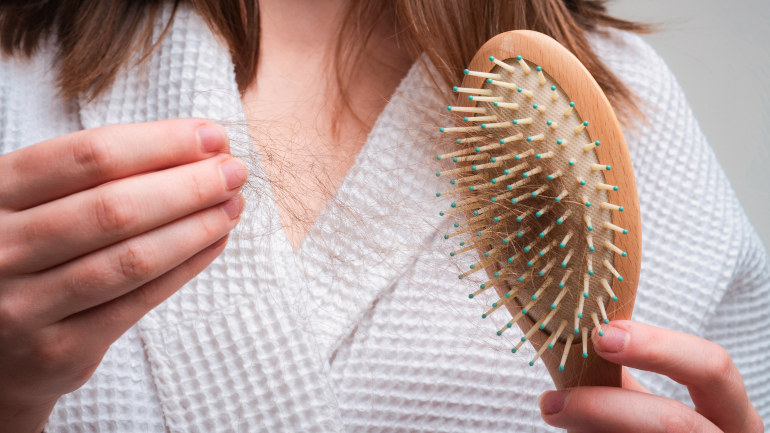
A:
366	327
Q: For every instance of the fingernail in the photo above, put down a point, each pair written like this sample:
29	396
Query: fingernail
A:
614	340
552	402
234	206
212	137
234	172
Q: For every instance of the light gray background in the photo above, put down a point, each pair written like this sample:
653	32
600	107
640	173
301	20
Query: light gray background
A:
720	53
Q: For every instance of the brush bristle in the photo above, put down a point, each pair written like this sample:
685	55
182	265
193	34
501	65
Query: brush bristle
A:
530	197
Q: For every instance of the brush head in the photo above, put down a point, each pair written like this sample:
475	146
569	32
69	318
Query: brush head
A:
543	193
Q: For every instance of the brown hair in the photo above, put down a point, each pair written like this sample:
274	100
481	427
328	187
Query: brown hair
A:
96	38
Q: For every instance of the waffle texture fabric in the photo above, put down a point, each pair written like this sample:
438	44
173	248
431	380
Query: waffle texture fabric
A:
366	327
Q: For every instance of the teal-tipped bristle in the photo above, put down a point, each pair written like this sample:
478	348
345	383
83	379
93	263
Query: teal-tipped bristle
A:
491	58
466	72
561	368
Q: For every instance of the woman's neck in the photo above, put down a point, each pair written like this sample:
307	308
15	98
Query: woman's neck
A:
307	135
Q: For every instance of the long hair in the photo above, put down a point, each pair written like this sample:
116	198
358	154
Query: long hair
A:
96	38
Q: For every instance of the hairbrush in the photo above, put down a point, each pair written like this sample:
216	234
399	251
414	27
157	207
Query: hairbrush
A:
544	193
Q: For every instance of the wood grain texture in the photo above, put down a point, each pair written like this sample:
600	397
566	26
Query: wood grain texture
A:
591	103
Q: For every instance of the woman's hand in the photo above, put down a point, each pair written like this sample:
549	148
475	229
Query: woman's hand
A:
96	229
716	387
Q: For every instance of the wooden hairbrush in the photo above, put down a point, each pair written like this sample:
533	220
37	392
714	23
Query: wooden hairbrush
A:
544	192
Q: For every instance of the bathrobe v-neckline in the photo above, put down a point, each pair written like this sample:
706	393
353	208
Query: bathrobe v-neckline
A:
248	343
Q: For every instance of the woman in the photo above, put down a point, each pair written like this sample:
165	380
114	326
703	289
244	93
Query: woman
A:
313	318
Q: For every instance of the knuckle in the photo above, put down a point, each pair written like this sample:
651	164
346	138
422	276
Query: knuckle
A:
113	212
144	298
198	189
7	257
211	227
719	365
135	262
92	153
54	353
681	419
12	314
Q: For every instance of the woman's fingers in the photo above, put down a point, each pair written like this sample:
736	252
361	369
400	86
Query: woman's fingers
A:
56	232
707	370
84	159
109	273
612	410
116	316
